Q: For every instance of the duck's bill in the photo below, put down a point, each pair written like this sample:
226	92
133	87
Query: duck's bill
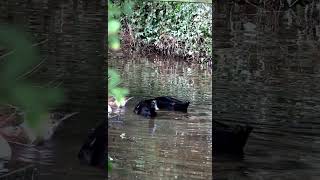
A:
156	107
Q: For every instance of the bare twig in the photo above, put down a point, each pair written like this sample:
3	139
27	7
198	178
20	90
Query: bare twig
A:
22	144
6	54
39	43
252	3
32	70
5	176
52	82
293	3
33	45
58	85
68	116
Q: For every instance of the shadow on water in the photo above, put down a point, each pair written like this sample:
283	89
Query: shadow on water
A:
267	75
173	145
72	52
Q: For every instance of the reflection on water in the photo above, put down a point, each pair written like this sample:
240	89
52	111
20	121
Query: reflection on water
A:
173	145
268	75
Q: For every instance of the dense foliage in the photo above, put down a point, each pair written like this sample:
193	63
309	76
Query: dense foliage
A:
174	28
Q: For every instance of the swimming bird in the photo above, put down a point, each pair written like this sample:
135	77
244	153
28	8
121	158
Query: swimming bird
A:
146	108
171	104
93	151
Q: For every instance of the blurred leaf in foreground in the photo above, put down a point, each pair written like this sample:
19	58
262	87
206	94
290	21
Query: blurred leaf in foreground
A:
22	57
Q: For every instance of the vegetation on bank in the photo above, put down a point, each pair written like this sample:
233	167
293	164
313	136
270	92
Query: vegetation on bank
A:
171	28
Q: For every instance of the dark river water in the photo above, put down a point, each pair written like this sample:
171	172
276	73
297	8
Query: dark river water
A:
173	145
70	37
267	75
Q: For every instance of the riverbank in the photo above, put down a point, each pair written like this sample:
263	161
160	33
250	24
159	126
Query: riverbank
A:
175	29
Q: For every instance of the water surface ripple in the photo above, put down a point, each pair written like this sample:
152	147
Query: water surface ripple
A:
268	75
173	145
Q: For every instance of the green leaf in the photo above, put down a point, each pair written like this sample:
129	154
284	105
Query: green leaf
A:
114	42
109	165
127	7
113	27
32	100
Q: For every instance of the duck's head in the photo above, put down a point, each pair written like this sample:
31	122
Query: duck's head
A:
154	105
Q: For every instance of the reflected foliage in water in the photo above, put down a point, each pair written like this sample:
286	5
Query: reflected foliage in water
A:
155	76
